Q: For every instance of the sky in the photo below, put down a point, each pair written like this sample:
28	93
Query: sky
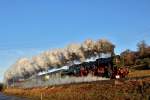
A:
29	27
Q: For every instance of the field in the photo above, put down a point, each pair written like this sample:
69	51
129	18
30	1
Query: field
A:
124	89
139	73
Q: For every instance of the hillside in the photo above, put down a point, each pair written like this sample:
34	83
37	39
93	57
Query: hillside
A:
124	89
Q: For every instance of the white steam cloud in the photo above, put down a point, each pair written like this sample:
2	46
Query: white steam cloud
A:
25	67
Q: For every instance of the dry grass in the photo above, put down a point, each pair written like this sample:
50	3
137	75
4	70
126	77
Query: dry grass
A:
101	90
139	73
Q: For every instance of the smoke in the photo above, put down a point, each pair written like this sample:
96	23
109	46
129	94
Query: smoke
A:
58	80
56	58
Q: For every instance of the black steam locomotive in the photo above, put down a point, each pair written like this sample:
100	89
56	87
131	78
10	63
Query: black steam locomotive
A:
102	67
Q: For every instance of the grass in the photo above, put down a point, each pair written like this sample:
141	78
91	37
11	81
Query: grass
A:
131	89
139	73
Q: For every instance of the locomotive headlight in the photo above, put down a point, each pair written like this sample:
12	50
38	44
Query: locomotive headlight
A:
47	77
117	76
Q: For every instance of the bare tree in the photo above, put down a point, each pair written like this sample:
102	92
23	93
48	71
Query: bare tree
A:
142	48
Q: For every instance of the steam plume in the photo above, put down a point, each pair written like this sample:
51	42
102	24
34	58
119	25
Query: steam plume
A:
25	67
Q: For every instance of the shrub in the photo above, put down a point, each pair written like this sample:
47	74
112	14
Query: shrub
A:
1	86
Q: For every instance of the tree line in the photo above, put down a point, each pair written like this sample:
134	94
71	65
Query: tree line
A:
139	59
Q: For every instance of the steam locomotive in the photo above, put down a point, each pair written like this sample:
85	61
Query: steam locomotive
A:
102	67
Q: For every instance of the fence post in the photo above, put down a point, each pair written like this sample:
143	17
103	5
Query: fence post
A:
41	96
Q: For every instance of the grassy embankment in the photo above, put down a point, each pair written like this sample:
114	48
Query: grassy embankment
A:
130	89
138	73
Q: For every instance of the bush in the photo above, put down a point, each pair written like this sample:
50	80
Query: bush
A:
1	86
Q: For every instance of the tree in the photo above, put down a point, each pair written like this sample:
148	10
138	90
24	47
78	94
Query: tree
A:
128	57
142	48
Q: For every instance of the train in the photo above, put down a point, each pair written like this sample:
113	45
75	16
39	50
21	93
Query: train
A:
102	67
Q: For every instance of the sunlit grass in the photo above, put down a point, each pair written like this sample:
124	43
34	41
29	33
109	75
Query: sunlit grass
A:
139	73
100	90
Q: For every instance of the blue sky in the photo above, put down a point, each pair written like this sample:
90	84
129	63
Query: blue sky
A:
28	27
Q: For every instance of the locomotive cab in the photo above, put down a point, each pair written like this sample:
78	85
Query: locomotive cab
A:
104	67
